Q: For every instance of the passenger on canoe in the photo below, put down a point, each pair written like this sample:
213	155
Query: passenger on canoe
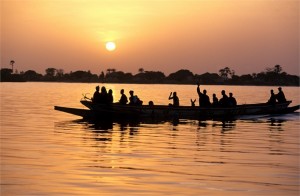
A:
280	96
133	99
224	100
175	99
96	96
203	97
215	100
103	96
110	97
193	102
272	99
231	100
123	99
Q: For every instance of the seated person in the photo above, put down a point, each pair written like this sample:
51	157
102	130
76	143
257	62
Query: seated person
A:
272	100
280	96
96	96
231	100
123	100
175	99
133	99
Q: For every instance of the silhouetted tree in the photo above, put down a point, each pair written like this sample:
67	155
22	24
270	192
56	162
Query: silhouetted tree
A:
59	73
208	78
182	75
50	72
141	70
226	73
276	69
150	77
102	76
31	75
5	74
12	62
118	76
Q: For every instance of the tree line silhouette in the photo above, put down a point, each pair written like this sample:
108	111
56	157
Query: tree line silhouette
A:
226	76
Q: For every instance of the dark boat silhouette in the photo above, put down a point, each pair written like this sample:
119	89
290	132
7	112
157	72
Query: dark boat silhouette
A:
181	112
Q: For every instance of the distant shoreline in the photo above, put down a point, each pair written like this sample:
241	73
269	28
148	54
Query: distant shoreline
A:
147	83
271	77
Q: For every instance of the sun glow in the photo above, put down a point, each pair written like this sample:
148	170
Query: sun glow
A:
110	46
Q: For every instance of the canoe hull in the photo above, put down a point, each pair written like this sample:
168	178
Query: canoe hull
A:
169	112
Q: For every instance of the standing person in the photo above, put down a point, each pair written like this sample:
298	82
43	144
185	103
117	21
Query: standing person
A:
123	99
215	100
175	99
110	97
231	100
203	97
224	100
272	99
96	96
280	96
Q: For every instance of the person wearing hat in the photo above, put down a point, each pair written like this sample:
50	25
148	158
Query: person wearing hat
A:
280	96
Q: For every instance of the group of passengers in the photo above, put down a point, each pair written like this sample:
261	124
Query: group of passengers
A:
277	98
133	99
105	97
204	100
225	101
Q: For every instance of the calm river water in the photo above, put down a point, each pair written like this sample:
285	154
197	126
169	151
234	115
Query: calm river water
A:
47	152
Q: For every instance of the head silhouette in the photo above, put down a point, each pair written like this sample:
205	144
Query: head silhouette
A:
103	89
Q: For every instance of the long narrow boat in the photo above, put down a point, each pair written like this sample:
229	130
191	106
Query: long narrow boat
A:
182	112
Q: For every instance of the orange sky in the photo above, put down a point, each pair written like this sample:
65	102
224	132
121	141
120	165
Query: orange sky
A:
157	35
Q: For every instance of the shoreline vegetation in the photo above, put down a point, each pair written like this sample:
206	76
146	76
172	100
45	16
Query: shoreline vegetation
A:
270	77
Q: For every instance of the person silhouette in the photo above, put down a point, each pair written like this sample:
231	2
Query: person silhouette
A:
193	102
96	96
103	96
272	99
215	100
133	99
231	100
110	98
203	97
123	100
224	100
280	96
175	99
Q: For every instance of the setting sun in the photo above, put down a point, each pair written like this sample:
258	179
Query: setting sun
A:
110	46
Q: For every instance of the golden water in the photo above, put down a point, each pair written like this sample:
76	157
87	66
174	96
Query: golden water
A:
46	152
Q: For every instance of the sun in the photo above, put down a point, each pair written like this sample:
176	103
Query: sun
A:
110	46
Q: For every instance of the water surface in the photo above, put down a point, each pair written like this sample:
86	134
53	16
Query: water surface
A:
46	152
